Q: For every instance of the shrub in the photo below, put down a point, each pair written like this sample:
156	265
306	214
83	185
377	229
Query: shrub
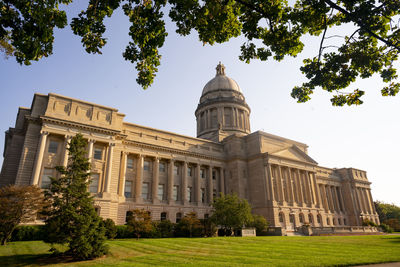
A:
163	229
386	228
188	226
209	228
29	233
111	229
123	232
260	223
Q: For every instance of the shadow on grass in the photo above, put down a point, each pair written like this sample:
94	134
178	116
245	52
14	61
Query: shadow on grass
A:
33	259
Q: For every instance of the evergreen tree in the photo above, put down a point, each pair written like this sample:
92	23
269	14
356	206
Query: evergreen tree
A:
72	219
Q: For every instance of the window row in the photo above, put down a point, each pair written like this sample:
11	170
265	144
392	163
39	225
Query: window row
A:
164	216
310	219
55	145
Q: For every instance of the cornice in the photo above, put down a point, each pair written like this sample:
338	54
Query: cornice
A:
82	126
171	150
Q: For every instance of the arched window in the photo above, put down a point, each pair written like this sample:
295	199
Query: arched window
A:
328	222
178	217
340	221
97	209
310	219
301	218
344	221
163	216
319	218
281	217
334	221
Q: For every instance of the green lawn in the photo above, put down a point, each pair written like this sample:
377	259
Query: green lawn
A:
223	251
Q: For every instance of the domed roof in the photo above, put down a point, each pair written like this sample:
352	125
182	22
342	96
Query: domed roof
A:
221	81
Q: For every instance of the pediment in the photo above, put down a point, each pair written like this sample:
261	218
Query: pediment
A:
295	153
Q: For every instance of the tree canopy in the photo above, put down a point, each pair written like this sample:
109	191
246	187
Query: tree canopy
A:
230	212
368	43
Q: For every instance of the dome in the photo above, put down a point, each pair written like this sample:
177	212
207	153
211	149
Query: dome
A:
221	81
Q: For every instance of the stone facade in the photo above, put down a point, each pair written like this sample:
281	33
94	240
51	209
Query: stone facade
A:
170	174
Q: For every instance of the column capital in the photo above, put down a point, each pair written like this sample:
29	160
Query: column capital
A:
44	132
91	141
125	153
68	137
111	144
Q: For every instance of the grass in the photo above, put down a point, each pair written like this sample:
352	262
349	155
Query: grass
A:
221	251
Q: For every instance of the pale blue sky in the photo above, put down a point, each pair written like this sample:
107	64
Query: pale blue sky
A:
364	137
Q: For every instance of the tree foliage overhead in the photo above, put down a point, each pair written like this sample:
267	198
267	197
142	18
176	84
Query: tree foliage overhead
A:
369	40
18	204
72	219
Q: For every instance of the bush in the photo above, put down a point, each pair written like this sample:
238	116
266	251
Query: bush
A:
163	229
209	228
367	222
386	228
261	225
123	232
188	226
29	233
111	229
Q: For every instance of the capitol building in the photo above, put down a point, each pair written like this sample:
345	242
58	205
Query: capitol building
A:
170	174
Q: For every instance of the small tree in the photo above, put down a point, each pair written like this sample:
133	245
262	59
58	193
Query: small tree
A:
72	219
260	223
189	225
18	204
230	212
139	222
111	229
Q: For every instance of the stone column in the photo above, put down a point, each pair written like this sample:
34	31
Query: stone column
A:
210	184
109	167
122	174
290	183
317	193
184	183
90	152
280	180
209	118
370	198
325	198
170	184
155	182
300	186
65	157
139	177
222	180
312	187
196	189
39	158
271	183
342	207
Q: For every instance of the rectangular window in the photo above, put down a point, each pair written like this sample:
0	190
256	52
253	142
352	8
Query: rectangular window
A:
47	173
214	193
146	165
190	171
202	173
94	183
203	195
53	146
176	169
189	194
128	189
145	191
175	194
161	192
214	175
162	167
129	163
98	153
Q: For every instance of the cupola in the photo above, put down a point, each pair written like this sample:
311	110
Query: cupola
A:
222	109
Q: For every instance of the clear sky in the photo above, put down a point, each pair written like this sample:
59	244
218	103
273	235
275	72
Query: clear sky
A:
363	137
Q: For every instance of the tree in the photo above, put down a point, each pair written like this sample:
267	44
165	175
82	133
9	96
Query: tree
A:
139	222
368	42
189	225
72	219
260	223
230	212
18	204
388	214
